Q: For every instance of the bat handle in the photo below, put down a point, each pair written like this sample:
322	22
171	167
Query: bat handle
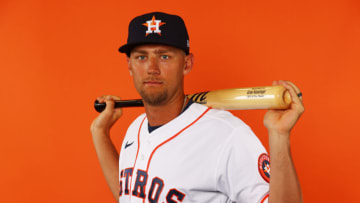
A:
99	107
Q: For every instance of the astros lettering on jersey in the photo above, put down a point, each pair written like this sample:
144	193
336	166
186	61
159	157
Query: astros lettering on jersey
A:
203	155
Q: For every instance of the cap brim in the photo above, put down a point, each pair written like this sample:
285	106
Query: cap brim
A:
126	48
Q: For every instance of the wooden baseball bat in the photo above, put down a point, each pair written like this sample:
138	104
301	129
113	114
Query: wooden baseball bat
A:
268	97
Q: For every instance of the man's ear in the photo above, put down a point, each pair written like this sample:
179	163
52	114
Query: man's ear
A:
129	66
189	62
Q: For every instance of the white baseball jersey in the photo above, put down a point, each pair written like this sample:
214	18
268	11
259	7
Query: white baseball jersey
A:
202	156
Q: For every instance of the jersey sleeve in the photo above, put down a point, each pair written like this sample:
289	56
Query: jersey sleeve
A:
238	173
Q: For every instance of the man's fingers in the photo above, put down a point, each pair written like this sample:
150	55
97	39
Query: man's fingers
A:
294	91
291	87
291	90
297	90
110	102
275	82
102	98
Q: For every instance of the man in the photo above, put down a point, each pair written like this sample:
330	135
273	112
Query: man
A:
180	151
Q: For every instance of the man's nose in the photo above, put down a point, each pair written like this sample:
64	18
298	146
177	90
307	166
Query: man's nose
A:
153	66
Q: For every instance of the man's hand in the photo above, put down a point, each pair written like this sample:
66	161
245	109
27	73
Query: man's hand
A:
107	118
284	183
282	121
107	154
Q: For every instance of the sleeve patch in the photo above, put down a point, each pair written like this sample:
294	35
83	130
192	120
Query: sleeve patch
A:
264	167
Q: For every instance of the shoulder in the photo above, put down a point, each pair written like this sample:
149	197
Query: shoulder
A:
221	125
220	118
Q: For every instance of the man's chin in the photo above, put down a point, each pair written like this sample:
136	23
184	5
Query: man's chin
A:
154	99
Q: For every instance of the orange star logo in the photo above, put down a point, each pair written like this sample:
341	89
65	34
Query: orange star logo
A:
153	26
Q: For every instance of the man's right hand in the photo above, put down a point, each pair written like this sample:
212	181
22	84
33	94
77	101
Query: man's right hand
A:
107	118
107	154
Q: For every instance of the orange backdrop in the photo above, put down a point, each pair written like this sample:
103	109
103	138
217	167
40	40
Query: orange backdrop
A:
56	57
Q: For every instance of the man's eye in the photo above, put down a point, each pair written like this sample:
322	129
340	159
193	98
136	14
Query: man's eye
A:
164	57
140	57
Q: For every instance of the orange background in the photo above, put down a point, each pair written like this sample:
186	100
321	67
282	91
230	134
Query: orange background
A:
56	57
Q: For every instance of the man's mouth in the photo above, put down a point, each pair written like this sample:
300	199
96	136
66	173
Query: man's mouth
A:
153	82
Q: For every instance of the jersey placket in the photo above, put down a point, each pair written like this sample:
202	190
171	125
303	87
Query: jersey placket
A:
139	179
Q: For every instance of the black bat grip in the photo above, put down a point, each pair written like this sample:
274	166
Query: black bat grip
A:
99	107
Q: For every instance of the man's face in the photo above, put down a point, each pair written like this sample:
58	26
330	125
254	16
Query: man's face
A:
158	72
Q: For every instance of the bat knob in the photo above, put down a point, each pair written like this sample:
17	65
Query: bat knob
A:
287	98
99	107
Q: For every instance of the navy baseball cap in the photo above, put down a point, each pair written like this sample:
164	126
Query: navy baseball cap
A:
157	28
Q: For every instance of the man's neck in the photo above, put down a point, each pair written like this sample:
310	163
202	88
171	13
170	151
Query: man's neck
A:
162	114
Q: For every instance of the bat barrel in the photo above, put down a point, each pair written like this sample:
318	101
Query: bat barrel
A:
268	97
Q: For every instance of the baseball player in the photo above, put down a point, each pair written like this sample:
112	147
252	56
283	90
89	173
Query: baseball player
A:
180	151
